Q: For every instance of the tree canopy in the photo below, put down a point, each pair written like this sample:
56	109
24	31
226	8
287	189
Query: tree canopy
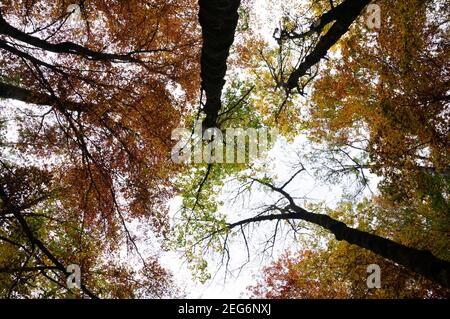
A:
93	95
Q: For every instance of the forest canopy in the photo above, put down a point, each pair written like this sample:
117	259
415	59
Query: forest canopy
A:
300	142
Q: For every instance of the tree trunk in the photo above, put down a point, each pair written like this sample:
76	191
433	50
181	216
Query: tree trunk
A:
419	261
218	19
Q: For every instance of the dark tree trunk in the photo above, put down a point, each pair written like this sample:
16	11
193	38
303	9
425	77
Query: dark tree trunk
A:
343	16
218	19
419	261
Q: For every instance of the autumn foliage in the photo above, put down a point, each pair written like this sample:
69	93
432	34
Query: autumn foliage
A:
99	107
91	94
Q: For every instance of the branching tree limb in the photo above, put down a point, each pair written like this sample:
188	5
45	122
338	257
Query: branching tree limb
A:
9	91
67	46
343	16
14	210
419	261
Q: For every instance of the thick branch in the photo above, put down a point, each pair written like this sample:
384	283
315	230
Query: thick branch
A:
420	261
343	15
63	47
9	91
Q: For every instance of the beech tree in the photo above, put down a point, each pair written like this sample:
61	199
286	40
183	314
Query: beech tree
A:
97	106
92	91
288	71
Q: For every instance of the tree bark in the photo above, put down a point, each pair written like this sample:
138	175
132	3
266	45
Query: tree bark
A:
218	19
